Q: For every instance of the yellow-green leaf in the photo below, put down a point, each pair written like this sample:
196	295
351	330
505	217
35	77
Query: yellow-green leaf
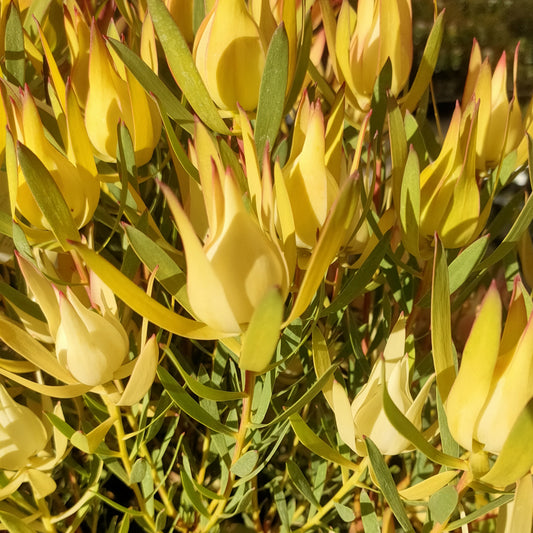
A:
182	66
133	296
261	337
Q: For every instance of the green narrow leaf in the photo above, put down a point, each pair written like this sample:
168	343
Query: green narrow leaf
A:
6	224
139	469
346	514
315	444
272	92
302	62
281	506
387	485
301	483
182	66
482	511
168	273
443	503
14	46
48	196
441	334
21	301
410	204
178	149
245	465
190	406
368	514
398	148
379	99
427	65
153	85
192	494
521	224
201	390
448	443
261	337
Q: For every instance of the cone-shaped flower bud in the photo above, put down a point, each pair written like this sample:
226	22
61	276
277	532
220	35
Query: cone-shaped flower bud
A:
366	416
495	379
77	184
22	434
500	127
311	187
449	193
90	345
230	52
115	95
383	30
228	276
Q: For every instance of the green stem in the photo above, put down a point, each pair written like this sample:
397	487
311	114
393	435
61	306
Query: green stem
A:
46	518
249	384
352	482
114	411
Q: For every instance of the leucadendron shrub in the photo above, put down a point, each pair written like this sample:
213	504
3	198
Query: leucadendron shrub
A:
248	281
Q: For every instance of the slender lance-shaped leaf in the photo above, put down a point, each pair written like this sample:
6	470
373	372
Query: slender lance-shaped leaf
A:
190	406
262	335
427	65
183	68
301	483
14	46
169	103
48	196
521	224
201	390
441	334
133	296
272	91
192	493
398	148
410	204
314	443
387	485
168	273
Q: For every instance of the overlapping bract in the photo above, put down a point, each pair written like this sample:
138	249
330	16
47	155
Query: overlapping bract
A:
261	213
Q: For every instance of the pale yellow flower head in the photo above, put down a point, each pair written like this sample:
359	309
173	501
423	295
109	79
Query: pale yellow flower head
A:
495	379
366	417
449	193
230	52
500	127
238	263
381	30
22	434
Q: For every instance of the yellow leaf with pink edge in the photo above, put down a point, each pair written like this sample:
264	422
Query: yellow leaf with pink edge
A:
472	384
